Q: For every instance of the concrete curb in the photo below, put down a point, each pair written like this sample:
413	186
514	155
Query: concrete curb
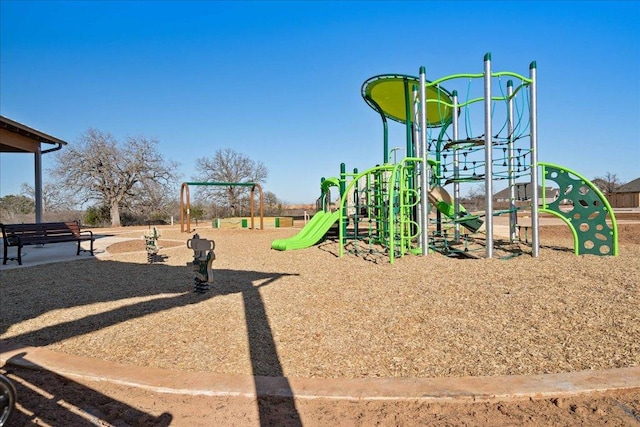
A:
461	389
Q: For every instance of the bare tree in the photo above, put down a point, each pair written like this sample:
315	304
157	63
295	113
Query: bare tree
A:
607	184
228	166
155	201
476	198
273	205
54	197
100	168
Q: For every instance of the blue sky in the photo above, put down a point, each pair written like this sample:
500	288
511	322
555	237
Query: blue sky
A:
280	81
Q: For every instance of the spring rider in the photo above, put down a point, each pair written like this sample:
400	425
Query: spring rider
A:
151	244
203	257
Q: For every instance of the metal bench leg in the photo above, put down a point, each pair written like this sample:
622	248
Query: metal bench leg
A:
7	257
84	250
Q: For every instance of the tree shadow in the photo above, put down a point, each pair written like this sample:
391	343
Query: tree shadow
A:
96	281
361	250
273	409
46	398
557	248
330	246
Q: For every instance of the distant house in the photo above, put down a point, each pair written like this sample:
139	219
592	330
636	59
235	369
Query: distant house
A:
626	196
523	194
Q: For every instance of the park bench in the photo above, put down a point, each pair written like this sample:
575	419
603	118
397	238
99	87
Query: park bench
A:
19	235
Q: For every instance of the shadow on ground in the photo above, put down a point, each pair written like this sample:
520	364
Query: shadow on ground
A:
46	398
47	287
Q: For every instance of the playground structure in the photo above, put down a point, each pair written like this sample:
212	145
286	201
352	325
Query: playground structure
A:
185	201
402	207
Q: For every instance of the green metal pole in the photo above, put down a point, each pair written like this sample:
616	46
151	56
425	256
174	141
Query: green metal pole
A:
409	120
343	215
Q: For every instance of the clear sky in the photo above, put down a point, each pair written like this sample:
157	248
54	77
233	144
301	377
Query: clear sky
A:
280	81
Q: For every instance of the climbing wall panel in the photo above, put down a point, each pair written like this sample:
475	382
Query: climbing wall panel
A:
584	209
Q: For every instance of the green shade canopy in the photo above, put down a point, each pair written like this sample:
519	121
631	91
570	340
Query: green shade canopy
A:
388	94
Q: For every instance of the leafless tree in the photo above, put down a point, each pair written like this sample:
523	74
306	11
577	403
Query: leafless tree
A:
228	166
54	197
273	205
102	169
476	197
155	201
607	184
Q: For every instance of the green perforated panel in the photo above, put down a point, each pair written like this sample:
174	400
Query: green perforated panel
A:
584	208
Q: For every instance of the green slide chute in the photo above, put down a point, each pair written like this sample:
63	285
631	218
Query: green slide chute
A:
310	234
439	197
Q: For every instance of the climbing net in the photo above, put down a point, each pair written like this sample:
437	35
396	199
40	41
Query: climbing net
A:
458	144
486	135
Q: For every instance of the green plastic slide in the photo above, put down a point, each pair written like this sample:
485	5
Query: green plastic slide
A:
443	202
310	234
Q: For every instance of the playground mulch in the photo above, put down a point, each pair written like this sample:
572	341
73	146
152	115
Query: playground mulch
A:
308	313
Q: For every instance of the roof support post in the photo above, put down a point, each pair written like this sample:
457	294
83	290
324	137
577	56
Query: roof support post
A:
38	184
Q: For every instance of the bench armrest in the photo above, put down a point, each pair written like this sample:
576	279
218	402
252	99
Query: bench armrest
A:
89	233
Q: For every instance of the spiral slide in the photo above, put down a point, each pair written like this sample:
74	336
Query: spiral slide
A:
310	234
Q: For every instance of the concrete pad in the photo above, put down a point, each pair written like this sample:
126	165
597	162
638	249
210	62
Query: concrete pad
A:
59	252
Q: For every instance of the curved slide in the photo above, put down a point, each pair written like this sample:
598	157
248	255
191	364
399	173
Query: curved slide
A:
310	234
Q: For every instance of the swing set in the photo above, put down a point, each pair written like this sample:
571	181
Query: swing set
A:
185	202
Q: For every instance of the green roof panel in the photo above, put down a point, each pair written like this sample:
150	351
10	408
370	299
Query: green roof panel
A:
388	94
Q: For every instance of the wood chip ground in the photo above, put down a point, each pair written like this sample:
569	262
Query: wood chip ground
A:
308	313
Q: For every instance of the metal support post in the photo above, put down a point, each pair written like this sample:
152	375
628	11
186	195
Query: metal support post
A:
456	165
535	198
424	176
513	216
488	156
